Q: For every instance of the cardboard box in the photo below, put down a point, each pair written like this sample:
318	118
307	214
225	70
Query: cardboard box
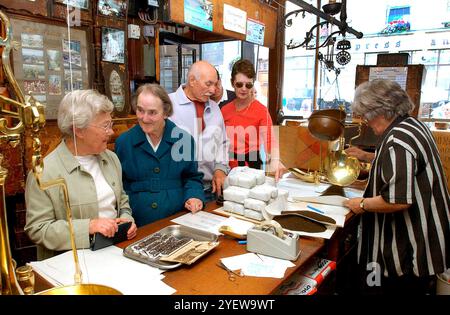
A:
317	269
299	286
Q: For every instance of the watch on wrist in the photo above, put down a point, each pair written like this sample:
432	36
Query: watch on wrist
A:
361	205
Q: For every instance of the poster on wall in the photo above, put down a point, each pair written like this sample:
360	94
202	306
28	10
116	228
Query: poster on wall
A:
115	8
49	65
113	45
255	32
234	19
199	13
82	4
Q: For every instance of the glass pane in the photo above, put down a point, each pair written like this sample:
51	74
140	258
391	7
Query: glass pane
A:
428	57
398	14
222	56
298	86
443	81
189	56
169	67
370	59
262	73
444	58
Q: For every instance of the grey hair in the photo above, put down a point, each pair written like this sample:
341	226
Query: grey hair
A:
197	68
78	108
381	97
159	92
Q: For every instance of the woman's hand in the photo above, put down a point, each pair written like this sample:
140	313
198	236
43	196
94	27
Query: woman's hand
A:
361	155
132	231
217	182
107	227
194	205
277	167
354	205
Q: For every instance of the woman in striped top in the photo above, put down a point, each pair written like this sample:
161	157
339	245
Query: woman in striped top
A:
404	234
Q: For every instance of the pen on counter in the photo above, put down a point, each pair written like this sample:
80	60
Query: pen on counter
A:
242	242
259	257
314	209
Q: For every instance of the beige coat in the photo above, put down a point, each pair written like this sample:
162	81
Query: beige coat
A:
46	220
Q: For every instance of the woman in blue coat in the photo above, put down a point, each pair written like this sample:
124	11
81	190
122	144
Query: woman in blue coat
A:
160	173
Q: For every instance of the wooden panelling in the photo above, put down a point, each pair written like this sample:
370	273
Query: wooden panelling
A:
298	148
255	10
12	161
59	10
37	7
443	143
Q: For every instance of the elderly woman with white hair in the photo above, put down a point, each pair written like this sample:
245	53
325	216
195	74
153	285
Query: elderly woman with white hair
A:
404	229
93	175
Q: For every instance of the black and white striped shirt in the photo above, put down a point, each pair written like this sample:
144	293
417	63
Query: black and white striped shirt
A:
407	170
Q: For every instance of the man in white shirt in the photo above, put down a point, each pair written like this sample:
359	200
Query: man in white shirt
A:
201	117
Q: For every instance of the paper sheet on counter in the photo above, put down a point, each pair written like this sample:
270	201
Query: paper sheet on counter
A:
106	266
255	265
327	234
311	192
201	220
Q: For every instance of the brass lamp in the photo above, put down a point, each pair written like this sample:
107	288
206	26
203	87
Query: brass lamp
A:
338	168
30	116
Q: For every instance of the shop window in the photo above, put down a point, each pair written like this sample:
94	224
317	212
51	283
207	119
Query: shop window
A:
370	59
397	20
398	14
222	55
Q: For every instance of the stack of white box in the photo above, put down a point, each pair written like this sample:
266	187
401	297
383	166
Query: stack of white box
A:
248	193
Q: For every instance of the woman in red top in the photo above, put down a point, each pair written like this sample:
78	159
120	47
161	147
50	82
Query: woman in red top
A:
248	124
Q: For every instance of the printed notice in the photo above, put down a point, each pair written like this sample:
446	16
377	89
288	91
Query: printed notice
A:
234	19
397	74
255	32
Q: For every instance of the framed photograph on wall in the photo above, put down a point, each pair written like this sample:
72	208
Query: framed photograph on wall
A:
49	65
115	8
116	84
113	45
82	4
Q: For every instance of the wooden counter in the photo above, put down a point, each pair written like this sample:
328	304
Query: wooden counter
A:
205	277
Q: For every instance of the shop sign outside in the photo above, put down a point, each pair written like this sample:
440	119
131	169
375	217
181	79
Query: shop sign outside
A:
396	43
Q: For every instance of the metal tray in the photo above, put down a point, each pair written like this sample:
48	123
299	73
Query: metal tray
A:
177	231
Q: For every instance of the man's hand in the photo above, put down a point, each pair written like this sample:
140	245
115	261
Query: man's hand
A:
217	182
